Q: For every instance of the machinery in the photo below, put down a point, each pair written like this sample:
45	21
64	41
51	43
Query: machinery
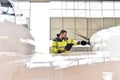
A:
10	12
14	32
107	40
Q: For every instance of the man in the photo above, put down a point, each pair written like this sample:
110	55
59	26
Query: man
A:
59	43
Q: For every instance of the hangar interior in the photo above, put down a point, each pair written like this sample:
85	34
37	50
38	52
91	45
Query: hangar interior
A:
45	19
83	17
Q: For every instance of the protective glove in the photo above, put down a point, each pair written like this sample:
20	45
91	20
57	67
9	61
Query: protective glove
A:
83	42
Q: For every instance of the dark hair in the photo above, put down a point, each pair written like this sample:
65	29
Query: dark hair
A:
57	35
62	31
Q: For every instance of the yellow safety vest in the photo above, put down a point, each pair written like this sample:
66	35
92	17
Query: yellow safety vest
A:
59	44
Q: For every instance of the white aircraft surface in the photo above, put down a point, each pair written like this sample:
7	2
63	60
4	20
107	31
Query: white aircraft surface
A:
107	40
14	32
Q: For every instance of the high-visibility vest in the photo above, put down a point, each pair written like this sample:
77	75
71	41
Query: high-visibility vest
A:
59	44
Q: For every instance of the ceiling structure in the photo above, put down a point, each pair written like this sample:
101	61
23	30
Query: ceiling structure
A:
33	0
39	0
62	0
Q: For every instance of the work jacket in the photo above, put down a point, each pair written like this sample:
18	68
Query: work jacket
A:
59	44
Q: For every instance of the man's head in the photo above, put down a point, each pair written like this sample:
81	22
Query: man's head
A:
63	34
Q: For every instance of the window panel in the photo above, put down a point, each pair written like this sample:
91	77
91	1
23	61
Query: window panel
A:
80	5
64	6
108	13
80	13
117	5
70	5
68	13
87	5
87	13
95	13
55	5
85	9
117	13
95	5
107	5
55	13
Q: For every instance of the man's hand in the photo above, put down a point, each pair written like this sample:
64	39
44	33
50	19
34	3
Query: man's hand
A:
63	50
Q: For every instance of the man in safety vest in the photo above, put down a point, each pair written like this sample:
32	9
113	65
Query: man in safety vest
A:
59	43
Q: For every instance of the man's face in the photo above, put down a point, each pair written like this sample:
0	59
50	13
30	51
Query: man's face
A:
64	35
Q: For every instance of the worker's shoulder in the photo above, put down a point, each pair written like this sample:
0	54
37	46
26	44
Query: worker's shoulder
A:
56	39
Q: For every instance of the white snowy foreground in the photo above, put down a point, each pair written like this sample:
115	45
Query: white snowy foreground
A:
73	66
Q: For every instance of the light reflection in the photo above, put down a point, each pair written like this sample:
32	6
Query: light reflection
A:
64	61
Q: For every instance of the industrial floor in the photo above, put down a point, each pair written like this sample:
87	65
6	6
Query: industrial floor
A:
73	66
